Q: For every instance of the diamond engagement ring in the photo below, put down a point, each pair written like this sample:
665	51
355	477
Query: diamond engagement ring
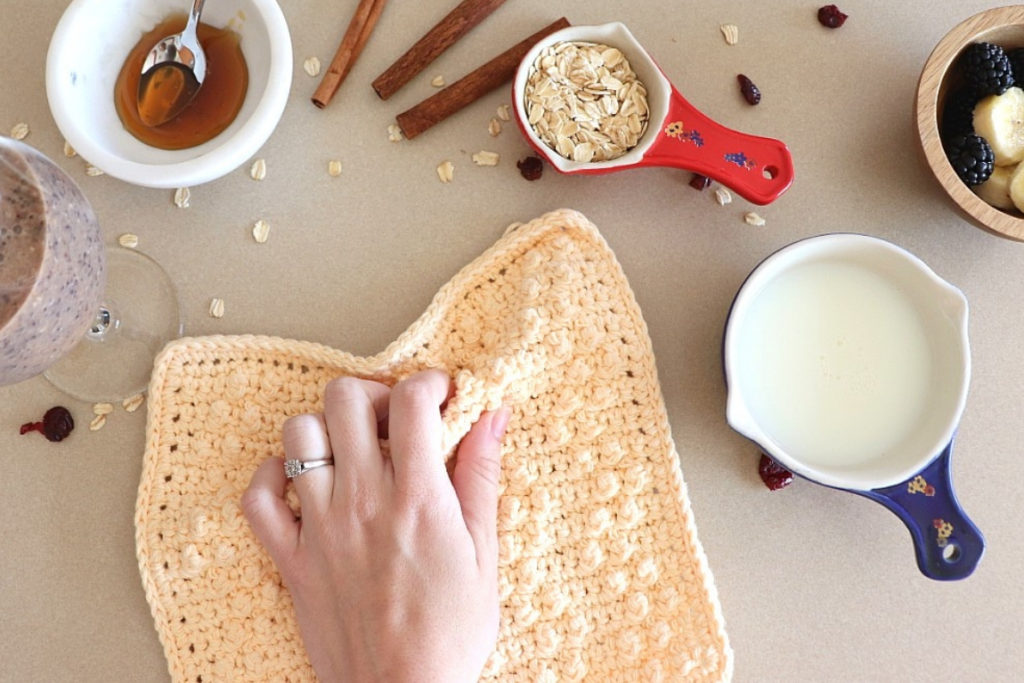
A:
293	468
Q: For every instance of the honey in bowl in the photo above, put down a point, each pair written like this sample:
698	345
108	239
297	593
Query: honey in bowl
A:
215	106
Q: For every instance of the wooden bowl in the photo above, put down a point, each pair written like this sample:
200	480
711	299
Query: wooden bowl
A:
1003	26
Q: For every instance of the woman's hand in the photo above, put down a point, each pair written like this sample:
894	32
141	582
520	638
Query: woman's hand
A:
393	565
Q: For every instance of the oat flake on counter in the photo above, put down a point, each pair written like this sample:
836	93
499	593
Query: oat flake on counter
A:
446	171
20	131
258	170
311	66
394	133
128	240
183	198
216	308
437	81
260	231
132	403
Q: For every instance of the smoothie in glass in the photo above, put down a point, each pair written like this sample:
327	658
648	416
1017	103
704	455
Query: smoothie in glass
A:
52	262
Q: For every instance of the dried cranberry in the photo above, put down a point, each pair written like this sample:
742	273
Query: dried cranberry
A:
831	16
56	424
774	475
531	167
751	93
700	182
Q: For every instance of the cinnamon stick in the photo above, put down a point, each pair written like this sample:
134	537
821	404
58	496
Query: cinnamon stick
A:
456	24
471	87
358	32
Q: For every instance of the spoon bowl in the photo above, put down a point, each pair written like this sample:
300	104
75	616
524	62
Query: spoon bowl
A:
173	72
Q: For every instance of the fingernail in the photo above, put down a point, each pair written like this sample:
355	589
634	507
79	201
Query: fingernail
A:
499	422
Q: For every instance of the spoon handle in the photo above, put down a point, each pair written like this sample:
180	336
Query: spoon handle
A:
193	17
947	543
757	168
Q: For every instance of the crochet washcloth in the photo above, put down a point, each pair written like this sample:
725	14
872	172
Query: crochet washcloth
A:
602	576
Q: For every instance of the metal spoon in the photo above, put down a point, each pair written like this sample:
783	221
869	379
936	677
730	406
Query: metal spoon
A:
172	73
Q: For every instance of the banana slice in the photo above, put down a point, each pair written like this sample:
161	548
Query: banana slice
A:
1017	187
996	190
1000	120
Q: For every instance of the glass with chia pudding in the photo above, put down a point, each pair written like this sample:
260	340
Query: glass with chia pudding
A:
52	263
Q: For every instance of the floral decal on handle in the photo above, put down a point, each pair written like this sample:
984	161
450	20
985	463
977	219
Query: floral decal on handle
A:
919	485
944	530
741	160
677	131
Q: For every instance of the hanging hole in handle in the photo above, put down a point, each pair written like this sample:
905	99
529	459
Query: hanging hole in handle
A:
769	172
951	553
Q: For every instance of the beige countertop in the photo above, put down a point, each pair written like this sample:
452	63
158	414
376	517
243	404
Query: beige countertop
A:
814	584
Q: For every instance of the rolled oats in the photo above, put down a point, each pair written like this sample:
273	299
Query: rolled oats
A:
97	423
258	170
102	409
183	198
494	127
92	171
504	113
723	196
394	133
731	33
216	308
69	151
311	66
334	168
446	171
485	158
128	240
585	101
260	231
752	218
19	131
132	403
437	81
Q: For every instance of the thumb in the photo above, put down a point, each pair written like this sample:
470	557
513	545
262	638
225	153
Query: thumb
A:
475	479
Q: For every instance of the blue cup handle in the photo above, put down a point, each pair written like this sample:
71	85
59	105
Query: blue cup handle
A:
948	544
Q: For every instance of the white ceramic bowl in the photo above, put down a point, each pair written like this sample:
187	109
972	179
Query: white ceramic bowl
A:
80	87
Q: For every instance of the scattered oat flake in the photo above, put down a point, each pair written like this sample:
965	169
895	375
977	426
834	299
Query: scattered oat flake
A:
132	403
503	113
446	171
723	196
216	308
261	231
394	133
19	131
91	170
754	219
731	33
437	81
183	198
334	168
128	240
102	409
485	158
97	423
311	66
494	127
69	151
258	171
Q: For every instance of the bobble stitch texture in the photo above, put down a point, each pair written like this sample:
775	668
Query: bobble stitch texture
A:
601	574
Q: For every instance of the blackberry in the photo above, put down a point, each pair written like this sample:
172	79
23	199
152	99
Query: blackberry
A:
971	157
958	113
986	69
1017	63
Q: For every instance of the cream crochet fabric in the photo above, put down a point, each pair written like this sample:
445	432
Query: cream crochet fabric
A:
602	577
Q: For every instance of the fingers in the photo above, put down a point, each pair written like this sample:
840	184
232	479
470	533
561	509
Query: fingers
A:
475	478
352	410
305	438
415	430
269	516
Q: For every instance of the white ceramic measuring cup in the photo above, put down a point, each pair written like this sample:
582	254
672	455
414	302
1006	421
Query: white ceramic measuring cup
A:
847	361
678	135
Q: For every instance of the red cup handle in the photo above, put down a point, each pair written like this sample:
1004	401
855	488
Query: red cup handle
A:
756	168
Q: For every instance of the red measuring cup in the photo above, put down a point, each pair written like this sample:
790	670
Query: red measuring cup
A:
678	135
